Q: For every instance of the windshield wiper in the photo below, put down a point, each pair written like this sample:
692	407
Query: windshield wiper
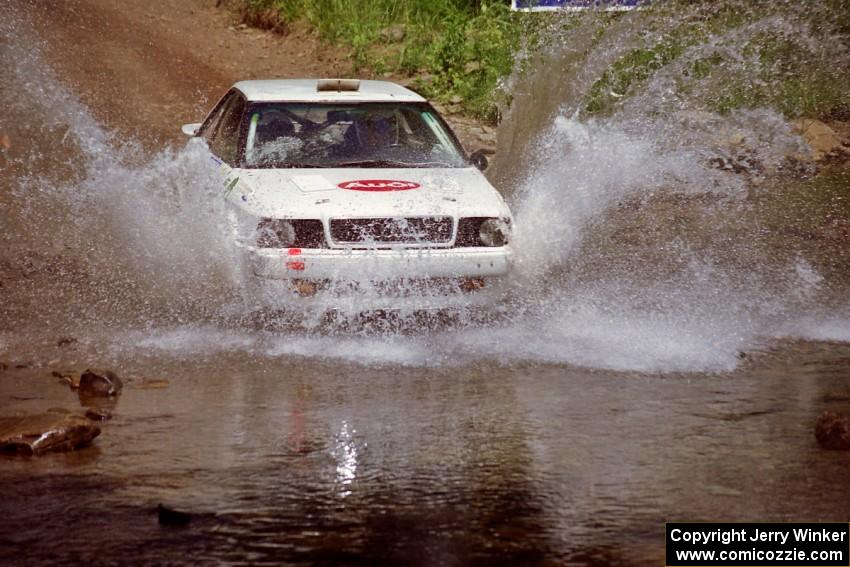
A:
374	163
436	164
391	163
275	165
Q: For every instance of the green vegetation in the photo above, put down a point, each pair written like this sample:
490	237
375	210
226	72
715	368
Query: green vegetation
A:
722	55
456	50
794	69
789	76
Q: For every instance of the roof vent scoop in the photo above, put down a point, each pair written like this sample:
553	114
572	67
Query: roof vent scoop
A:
325	85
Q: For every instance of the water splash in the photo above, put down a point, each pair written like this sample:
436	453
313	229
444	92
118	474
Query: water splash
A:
112	233
642	229
639	246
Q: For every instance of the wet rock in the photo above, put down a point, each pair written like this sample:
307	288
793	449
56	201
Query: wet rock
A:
393	34
98	403
742	162
66	341
823	140
170	517
69	377
797	165
98	414
833	431
55	430
95	382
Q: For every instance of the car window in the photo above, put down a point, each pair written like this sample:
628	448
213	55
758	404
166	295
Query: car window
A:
348	135
211	122
224	141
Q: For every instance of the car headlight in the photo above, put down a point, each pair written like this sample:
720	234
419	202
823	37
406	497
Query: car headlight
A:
290	233
275	233
494	232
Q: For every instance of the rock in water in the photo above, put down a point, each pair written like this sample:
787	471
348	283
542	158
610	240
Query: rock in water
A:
65	341
833	431
69	377
55	430
98	414
170	517
821	138
94	382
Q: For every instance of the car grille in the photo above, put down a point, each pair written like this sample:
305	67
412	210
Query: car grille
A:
410	230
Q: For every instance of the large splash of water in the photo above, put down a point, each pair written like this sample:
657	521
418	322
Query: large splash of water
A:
106	232
644	233
638	245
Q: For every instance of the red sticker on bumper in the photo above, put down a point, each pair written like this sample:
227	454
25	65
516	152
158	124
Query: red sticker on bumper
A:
378	185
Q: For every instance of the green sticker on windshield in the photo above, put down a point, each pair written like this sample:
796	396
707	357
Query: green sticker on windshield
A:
252	134
438	131
229	187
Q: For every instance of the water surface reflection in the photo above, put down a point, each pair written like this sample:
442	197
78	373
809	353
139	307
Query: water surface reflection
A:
312	462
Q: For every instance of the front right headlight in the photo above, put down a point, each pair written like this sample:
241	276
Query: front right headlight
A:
494	232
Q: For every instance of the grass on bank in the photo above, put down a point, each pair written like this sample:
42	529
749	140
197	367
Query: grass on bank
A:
791	67
457	51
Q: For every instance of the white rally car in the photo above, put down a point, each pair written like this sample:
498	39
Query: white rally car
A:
337	181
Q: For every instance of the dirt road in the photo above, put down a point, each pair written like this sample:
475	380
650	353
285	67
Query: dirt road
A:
145	68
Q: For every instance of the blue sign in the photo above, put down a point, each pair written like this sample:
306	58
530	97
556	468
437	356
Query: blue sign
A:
544	5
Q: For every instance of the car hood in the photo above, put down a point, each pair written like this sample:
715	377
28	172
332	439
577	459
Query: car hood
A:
357	193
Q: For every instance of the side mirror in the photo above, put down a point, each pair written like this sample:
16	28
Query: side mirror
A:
191	129
479	159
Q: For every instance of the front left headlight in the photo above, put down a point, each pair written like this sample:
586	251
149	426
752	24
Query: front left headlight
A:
275	233
290	233
494	232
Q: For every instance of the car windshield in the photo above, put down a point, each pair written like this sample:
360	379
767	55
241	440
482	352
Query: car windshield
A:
281	134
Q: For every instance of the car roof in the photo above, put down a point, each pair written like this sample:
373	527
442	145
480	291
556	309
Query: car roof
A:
305	90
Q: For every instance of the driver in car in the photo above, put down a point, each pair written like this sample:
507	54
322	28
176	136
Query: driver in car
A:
367	135
274	129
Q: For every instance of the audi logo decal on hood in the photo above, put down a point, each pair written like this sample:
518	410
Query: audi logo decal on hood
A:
378	185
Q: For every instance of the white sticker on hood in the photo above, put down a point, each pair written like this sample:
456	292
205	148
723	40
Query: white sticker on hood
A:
310	183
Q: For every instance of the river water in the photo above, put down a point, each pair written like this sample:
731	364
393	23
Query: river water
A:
657	355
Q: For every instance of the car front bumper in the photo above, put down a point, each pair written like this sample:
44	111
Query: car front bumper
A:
347	264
